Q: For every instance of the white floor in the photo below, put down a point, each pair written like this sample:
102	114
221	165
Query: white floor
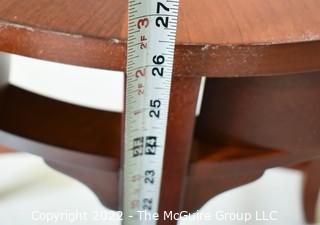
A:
32	193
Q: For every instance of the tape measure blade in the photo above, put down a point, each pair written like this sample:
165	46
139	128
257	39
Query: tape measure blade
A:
151	40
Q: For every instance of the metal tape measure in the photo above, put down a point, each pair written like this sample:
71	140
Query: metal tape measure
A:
151	41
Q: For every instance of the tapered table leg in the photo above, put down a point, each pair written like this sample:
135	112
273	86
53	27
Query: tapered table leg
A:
183	101
311	190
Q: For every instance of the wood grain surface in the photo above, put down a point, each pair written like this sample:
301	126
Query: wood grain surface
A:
247	125
215	37
234	22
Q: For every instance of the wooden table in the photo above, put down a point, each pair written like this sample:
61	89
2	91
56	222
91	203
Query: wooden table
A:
260	109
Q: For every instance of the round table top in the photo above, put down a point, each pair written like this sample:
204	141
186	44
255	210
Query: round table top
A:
214	38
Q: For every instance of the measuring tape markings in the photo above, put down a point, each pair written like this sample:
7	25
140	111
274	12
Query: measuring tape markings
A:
151	40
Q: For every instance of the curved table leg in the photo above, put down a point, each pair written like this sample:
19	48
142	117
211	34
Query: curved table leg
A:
311	189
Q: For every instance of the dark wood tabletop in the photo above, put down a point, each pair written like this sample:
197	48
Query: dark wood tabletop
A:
215	37
246	125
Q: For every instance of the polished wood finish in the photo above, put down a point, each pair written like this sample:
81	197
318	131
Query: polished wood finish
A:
311	189
248	124
213	22
78	123
232	38
269	112
178	144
